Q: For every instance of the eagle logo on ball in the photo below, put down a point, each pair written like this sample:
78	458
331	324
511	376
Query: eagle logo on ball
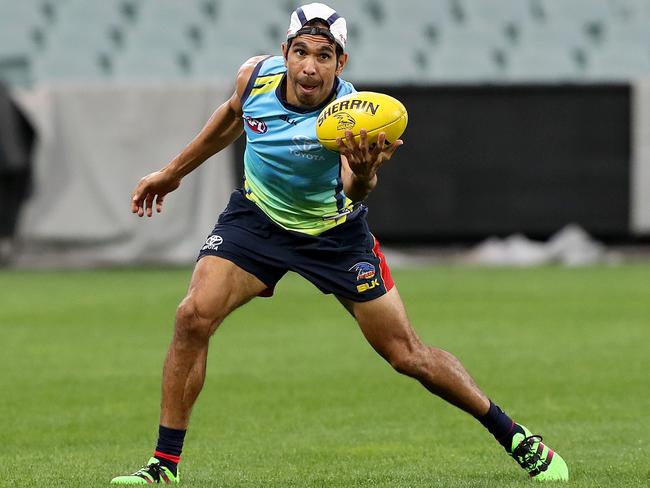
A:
346	121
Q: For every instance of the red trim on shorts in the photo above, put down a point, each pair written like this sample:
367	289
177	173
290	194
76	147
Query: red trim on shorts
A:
266	292
384	270
168	457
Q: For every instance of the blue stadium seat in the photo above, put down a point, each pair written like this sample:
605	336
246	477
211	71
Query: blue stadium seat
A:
147	37
619	62
221	61
24	12
17	40
151	64
389	41
165	13
58	64
465	64
627	10
416	13
495	12
538	63
554	34
633	32
80	38
472	35
577	11
378	64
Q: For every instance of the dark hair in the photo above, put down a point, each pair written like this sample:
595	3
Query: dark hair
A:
319	23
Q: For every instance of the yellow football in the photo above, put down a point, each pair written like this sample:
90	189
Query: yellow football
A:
374	112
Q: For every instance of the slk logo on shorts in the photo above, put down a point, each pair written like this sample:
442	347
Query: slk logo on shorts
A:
364	270
255	125
212	243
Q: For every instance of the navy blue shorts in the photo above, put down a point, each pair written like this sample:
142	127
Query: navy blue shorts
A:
345	260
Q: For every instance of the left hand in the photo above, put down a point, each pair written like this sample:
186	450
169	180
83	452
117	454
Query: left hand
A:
363	160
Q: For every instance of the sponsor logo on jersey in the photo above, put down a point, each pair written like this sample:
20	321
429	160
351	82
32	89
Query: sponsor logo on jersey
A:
255	125
212	243
359	105
288	120
305	147
364	270
346	121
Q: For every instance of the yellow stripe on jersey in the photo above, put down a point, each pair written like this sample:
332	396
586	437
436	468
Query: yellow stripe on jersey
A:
265	84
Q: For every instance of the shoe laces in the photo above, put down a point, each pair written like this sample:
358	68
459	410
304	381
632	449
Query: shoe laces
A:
528	458
152	470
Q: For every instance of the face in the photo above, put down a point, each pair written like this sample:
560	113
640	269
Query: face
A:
311	69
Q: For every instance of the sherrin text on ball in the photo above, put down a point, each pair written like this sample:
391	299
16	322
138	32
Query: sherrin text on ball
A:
374	112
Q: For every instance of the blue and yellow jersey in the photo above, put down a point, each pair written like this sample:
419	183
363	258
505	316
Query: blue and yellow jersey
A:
287	173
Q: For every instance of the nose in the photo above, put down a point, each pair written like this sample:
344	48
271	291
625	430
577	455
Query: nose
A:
309	66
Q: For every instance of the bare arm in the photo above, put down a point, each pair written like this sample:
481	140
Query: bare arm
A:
222	129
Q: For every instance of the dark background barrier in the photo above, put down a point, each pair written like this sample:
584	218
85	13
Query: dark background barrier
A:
497	160
16	141
481	161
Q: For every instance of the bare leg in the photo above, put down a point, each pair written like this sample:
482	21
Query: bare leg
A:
217	288
386	327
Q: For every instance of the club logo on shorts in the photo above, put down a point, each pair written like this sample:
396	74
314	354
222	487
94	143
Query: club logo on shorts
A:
346	121
212	243
364	270
255	125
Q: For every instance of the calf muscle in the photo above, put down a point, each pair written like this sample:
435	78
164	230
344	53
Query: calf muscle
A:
385	325
217	288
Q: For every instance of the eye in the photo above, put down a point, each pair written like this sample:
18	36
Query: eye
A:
299	51
325	56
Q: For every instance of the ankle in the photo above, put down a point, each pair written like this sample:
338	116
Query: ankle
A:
169	447
502	427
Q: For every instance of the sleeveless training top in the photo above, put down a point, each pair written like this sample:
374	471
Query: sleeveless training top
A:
287	173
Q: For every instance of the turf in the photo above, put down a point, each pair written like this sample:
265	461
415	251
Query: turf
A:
296	398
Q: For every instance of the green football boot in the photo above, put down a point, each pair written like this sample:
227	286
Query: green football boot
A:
153	472
539	461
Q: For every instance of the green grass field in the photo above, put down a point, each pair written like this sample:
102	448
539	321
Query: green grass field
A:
296	398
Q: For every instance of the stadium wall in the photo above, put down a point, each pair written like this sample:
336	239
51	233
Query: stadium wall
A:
640	176
478	161
95	143
487	160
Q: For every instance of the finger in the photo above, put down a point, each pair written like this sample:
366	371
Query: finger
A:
363	141
136	200
343	149
159	203
351	143
136	204
148	204
381	141
390	150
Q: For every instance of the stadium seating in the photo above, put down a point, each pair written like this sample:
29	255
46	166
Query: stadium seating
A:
418	41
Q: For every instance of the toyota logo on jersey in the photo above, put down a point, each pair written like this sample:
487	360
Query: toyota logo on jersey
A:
255	125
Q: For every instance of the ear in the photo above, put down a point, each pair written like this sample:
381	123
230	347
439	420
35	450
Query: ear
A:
343	58
285	52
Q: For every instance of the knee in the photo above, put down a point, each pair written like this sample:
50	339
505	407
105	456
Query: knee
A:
411	359
193	325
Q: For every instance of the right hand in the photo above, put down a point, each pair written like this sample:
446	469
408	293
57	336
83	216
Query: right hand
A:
152	187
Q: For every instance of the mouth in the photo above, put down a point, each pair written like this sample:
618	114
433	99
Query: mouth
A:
308	88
